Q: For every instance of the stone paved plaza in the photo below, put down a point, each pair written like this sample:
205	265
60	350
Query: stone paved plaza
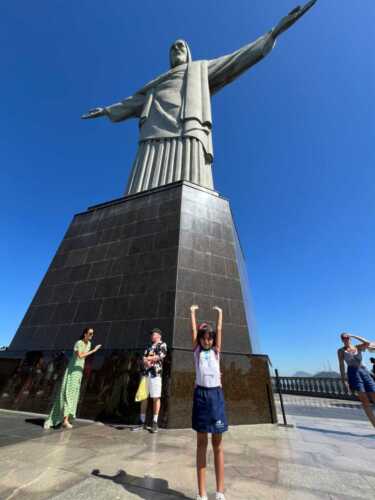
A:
328	454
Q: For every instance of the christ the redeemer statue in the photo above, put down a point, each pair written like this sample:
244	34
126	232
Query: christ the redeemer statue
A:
174	111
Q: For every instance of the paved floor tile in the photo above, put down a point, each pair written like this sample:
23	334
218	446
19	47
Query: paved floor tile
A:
325	455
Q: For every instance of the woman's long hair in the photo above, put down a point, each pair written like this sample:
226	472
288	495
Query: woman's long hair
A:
85	332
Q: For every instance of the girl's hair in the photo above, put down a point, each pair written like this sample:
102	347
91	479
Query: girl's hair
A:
85	331
343	335
372	360
204	328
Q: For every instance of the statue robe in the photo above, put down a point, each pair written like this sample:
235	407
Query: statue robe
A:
174	112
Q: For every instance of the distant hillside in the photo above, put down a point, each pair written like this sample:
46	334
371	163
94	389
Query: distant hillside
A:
327	375
319	374
302	374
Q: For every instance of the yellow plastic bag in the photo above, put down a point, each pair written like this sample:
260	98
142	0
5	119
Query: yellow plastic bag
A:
142	392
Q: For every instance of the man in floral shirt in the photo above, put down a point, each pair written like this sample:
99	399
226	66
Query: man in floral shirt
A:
152	369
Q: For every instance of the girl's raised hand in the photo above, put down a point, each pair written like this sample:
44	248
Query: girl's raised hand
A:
194	308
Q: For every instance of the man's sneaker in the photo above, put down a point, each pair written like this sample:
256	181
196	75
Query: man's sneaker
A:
47	425
201	498
141	426
154	427
220	496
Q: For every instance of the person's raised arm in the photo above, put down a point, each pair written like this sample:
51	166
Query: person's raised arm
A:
82	355
365	344
219	328
194	329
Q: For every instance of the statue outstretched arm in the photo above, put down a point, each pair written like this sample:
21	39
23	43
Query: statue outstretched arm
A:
293	16
128	108
225	69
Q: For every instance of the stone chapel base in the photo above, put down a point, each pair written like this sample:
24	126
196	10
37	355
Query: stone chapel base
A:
123	268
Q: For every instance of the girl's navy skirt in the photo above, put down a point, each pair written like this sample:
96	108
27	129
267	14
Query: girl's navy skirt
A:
209	410
360	379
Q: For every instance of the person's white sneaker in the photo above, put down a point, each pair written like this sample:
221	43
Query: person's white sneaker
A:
220	496
201	498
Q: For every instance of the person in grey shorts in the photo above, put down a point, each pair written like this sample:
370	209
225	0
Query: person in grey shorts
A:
358	378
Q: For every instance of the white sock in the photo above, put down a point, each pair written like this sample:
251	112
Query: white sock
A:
143	418
156	418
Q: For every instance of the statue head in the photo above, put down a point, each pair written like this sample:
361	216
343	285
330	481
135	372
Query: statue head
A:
179	53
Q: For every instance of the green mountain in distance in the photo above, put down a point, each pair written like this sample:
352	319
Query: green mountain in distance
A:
323	374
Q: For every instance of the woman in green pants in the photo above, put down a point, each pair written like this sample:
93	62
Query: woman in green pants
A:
65	405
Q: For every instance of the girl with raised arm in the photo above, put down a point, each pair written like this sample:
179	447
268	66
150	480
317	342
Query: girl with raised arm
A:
65	405
208	405
359	378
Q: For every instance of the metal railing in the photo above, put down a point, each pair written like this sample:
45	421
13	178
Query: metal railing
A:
313	386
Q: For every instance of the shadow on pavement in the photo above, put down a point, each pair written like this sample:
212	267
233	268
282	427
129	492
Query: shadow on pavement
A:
35	421
324	412
145	487
18	427
337	433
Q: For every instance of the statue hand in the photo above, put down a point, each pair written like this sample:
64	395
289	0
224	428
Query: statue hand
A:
293	16
93	113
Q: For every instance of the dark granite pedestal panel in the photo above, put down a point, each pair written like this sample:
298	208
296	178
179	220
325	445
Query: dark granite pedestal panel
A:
246	385
139	262
30	380
115	270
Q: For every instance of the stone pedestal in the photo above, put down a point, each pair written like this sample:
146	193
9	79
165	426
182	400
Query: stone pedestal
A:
136	263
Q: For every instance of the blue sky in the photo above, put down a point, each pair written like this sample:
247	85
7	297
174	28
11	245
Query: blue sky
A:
294	149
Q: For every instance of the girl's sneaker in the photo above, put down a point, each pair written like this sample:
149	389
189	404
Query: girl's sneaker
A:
201	498
220	496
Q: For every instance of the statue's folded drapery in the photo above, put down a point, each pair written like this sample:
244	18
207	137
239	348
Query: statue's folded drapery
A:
163	161
174	112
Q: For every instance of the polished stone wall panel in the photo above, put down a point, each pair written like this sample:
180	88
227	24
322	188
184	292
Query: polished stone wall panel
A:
208	273
246	385
142	258
123	268
116	263
30	381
